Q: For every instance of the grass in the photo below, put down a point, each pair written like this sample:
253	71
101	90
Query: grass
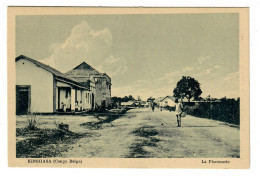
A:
35	142
42	143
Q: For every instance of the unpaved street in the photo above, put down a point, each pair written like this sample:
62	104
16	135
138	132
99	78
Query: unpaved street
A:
141	133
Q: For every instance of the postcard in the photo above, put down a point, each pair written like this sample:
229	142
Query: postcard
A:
128	87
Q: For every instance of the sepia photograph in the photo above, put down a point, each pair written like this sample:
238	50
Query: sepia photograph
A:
115	83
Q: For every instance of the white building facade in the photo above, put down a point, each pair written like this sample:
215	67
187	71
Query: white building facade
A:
42	89
168	101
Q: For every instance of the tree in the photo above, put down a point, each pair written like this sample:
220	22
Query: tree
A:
131	98
208	98
188	88
150	99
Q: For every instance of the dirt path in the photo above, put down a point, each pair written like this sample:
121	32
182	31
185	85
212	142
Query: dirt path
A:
142	133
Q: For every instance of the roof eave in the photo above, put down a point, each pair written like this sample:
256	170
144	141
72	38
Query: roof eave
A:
71	83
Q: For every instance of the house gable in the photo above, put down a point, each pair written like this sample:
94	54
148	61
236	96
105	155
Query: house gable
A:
40	82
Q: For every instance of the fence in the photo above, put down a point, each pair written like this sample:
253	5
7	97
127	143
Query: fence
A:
226	110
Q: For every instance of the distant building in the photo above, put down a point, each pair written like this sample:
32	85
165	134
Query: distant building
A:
43	89
99	83
168	101
158	100
144	104
128	104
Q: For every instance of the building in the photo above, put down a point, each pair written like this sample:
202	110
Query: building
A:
168	101
42	89
144	104
128	104
158	100
86	74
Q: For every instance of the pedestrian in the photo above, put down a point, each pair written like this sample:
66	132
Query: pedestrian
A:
76	106
80	106
64	106
153	106
178	111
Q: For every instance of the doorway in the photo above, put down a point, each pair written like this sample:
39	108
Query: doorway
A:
23	99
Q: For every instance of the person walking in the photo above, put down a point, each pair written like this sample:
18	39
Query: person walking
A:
153	105
178	111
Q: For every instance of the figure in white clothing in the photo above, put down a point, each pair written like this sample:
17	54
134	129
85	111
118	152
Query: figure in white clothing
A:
76	106
178	111
64	106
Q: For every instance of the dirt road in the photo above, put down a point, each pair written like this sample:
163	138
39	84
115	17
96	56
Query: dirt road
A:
141	133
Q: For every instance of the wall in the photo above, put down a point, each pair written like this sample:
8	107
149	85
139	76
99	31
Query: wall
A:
171	103
41	82
87	102
103	92
98	92
79	96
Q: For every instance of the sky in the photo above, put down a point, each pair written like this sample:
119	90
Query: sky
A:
145	55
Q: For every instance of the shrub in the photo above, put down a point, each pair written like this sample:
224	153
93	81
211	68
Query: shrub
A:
31	118
227	110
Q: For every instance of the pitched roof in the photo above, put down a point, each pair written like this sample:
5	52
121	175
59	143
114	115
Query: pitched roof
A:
49	68
82	70
170	97
84	65
159	99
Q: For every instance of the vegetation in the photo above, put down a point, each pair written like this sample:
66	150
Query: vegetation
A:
226	110
117	100
42	143
188	88
122	99
150	99
31	118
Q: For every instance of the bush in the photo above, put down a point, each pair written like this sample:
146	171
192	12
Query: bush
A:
227	110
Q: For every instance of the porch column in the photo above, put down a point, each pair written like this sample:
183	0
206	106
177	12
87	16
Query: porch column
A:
72	99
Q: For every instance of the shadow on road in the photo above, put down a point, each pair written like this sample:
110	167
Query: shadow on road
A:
110	117
137	149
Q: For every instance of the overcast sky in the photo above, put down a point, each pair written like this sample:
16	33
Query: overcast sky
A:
144	55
